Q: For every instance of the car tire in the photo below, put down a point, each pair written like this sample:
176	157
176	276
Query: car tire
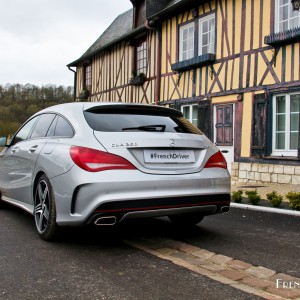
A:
45	210
186	219
2	203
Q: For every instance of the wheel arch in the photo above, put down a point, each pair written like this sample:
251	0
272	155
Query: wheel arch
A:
45	208
36	179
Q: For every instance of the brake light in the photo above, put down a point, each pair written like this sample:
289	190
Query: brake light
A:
95	161
216	161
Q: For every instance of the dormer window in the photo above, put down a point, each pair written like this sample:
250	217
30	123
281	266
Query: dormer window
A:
139	13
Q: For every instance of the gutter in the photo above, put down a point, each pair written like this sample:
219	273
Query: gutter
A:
75	80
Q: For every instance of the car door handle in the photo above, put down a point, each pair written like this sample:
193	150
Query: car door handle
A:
225	151
32	149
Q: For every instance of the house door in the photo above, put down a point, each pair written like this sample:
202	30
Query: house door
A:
224	131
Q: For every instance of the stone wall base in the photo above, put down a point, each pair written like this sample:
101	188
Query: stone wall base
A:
264	173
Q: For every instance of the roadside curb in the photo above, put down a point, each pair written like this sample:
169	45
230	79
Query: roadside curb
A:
266	209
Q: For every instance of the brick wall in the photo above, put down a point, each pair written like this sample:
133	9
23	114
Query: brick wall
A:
256	173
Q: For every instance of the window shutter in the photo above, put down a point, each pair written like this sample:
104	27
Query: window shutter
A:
259	126
176	105
204	117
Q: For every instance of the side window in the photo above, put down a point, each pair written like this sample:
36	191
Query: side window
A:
63	128
190	112
207	35
186	42
197	38
23	133
42	126
141	57
88	77
286	111
285	17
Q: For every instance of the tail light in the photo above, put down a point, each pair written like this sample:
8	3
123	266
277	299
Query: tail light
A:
95	161
216	161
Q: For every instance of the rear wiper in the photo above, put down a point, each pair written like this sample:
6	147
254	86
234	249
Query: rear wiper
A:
157	128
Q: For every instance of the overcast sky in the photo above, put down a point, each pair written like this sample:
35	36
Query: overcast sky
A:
38	38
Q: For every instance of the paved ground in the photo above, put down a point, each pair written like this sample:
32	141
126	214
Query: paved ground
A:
93	264
255	280
251	251
239	255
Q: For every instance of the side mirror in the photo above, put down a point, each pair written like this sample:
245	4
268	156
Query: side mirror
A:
3	140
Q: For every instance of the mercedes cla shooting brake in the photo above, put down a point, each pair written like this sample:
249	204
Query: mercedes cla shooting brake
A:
102	163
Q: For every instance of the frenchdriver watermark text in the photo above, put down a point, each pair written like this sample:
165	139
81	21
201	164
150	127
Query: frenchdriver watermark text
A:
287	284
166	156
170	156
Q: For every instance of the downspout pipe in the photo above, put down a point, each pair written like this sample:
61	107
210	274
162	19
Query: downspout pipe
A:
75	80
158	62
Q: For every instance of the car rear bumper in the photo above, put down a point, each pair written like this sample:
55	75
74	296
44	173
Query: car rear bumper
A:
141	208
132	194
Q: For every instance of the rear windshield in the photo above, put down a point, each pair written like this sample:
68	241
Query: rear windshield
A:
125	120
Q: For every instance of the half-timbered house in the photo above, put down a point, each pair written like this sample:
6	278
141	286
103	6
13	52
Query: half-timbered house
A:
231	67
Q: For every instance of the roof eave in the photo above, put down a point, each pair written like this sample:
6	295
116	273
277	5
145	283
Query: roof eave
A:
130	34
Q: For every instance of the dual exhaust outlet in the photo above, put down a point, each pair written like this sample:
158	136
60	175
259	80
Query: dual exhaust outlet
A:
112	220
224	209
106	221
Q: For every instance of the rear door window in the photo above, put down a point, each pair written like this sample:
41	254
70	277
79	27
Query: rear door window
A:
42	126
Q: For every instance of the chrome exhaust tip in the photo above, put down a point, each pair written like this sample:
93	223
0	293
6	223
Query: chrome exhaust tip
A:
106	221
224	209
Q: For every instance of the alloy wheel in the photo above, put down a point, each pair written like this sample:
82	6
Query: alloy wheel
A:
42	206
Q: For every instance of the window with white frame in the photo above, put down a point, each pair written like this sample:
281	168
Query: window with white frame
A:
88	77
197	40
285	17
207	35
286	124
141	57
190	112
186	42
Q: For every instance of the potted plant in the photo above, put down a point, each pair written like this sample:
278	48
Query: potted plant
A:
84	94
137	79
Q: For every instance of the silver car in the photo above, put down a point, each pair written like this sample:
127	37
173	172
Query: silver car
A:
102	163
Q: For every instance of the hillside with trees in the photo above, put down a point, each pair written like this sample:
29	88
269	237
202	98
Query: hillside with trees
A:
18	102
